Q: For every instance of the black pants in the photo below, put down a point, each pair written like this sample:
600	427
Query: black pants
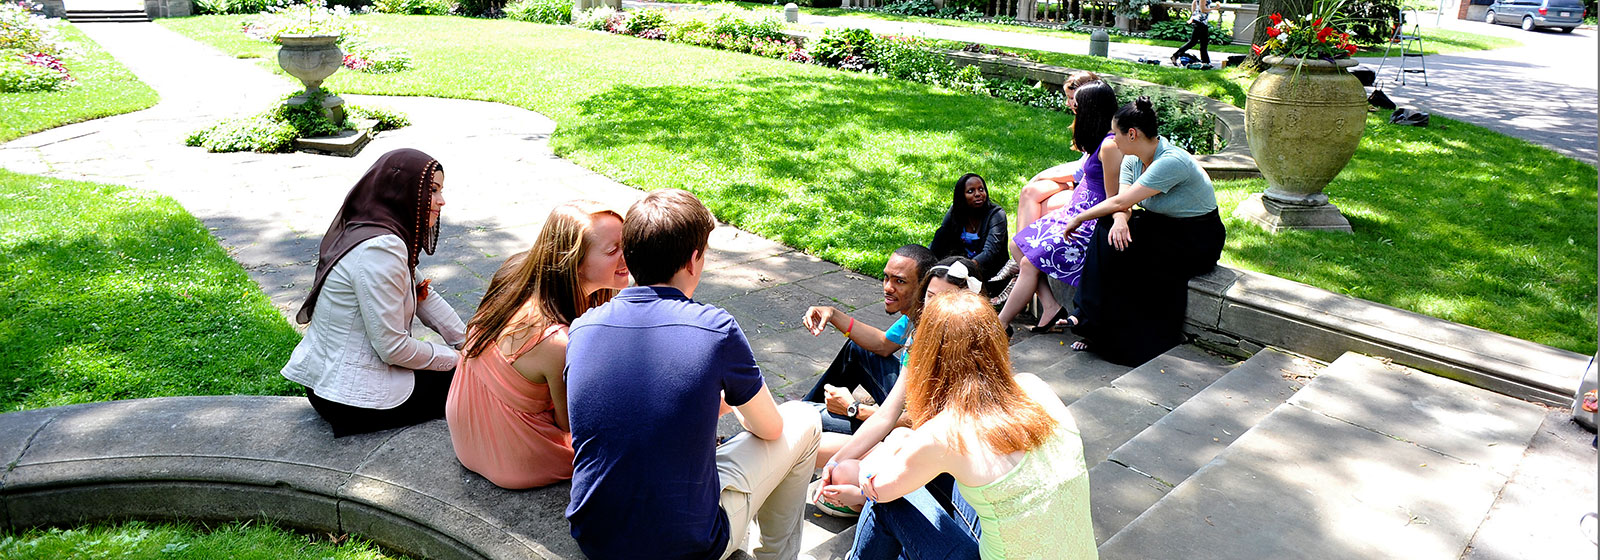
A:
426	403
854	366
1199	34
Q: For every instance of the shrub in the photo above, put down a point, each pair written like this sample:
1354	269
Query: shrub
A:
484	8
25	31
386	118
907	58
1178	30
21	72
922	8
766	28
311	18
639	21
203	7
837	44
554	12
378	60
1184	123
1028	93
594	19
1371	22
415	7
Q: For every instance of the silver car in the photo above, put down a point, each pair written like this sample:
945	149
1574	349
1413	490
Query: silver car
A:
1534	14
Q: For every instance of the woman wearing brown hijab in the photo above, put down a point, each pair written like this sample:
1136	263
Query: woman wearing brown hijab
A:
361	367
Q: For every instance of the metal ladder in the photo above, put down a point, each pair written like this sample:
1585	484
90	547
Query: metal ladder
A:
1410	47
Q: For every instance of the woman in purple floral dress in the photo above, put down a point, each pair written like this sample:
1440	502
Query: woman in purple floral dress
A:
1041	242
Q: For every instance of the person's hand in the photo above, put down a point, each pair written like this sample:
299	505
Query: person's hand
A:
817	318
1071	226
837	399
868	488
826	478
1120	236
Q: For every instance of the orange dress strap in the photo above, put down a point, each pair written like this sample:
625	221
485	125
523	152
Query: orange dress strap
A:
532	342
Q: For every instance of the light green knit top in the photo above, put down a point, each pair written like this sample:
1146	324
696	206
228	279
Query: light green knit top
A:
1041	508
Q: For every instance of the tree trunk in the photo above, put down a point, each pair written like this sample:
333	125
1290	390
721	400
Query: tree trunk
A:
1286	8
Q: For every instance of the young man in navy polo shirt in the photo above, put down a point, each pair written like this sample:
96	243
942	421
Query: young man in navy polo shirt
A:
648	374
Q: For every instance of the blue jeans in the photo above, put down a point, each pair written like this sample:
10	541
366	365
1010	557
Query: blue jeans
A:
854	366
915	527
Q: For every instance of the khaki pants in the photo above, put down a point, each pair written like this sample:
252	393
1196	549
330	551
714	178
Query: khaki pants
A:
765	481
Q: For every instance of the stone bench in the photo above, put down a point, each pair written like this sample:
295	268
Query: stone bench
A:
219	459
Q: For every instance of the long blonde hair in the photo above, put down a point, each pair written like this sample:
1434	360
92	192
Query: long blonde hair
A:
547	273
961	362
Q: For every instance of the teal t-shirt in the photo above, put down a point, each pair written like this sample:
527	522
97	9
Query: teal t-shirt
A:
1185	188
900	333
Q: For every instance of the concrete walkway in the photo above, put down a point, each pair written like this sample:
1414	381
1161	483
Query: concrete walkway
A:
1543	92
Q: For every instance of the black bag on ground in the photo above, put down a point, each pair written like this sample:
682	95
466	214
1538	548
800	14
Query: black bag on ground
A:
1409	117
1366	75
1380	100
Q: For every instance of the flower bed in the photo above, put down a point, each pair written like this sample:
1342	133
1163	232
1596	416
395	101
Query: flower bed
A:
31	52
315	18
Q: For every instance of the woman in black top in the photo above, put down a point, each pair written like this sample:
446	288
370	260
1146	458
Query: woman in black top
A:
974	227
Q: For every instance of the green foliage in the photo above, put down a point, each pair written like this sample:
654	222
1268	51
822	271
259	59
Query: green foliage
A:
256	133
387	119
1371	22
307	118
182	541
756	28
908	58
102	88
640	21
911	7
1183	122
17	75
112	293
313	17
25	31
1178	30
836	44
204	7
595	19
554	12
415	7
481	8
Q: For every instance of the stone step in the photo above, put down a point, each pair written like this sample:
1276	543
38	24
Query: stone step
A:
1108	416
1035	353
1212	407
1370	460
89	16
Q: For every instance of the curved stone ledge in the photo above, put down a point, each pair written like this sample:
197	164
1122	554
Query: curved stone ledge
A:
1243	311
238	457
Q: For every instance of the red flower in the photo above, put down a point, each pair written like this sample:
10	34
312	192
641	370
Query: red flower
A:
1324	33
1276	19
1273	32
1350	49
1255	50
1317	23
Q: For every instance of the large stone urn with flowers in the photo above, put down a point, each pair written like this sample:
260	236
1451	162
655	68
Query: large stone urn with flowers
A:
1304	118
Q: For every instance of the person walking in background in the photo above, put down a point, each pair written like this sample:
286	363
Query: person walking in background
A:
1199	31
362	369
507	409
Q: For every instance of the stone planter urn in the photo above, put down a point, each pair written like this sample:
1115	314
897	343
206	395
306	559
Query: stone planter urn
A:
1303	125
311	59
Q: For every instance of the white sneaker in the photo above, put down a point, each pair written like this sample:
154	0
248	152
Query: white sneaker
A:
1005	294
1009	270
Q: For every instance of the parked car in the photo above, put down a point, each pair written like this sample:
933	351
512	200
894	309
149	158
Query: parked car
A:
1533	14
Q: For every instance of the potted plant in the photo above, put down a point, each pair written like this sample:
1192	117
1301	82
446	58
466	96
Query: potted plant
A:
1304	117
310	52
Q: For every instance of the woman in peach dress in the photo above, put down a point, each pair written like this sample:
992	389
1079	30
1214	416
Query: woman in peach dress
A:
507	408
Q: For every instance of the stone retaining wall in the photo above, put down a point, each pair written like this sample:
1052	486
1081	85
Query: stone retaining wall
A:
1240	312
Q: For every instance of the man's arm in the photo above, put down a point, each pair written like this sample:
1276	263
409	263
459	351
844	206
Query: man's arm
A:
760	415
864	335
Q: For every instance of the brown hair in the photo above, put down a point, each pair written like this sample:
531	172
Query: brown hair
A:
545	275
960	362
1076	79
662	233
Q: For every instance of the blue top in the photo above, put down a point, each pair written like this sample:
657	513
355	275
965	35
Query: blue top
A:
1185	188
645	375
972	243
900	333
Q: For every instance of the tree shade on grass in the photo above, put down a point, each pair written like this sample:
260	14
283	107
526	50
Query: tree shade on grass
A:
108	293
183	541
104	88
1454	221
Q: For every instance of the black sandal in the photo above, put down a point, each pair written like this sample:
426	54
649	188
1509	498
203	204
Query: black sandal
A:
1056	322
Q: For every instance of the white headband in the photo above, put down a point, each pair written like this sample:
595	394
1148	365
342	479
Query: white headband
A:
958	271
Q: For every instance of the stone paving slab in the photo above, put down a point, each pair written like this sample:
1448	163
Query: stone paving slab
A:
1078	374
1484	428
1304	485
1117	495
1175	376
1109	417
1538	513
1191	435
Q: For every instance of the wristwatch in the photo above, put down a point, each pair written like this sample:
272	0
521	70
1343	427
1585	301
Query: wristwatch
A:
854	408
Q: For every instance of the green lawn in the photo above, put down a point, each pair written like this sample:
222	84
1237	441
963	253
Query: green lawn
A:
1227	84
137	540
849	166
1435	41
104	88
109	293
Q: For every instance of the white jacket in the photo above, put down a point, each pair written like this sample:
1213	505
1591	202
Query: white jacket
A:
359	350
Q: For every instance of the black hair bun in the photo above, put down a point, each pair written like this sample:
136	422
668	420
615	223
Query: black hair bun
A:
1143	103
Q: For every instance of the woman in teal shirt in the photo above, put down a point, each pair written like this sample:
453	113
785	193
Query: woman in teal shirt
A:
1134	294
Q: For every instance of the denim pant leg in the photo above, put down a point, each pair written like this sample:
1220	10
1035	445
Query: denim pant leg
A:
917	528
